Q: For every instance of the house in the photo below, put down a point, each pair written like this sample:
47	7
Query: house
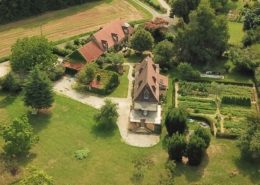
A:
107	37
149	87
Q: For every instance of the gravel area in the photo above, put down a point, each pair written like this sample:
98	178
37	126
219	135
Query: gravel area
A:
4	68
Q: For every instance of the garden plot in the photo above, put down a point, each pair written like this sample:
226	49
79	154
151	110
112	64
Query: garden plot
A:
200	98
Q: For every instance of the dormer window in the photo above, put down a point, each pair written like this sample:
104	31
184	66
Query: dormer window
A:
154	67
104	44
125	30
115	37
140	83
146	94
154	79
140	70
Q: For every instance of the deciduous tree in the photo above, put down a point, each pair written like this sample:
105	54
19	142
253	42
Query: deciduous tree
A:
204	39
30	52
108	115
142	40
18	138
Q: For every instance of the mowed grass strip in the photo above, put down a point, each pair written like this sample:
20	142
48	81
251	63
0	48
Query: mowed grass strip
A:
73	21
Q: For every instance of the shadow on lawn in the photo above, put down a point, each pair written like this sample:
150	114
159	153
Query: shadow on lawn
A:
102	131
8	100
192	173
39	121
247	168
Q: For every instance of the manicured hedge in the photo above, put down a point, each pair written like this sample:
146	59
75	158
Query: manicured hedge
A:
242	101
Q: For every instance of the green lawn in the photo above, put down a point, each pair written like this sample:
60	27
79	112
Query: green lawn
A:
70	127
122	90
236	33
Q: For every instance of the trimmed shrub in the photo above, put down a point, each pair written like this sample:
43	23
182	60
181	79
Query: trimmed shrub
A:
195	150
233	100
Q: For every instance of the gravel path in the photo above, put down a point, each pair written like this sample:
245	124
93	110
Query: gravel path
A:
4	68
64	86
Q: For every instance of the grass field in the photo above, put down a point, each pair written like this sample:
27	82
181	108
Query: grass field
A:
73	21
122	89
110	160
236	33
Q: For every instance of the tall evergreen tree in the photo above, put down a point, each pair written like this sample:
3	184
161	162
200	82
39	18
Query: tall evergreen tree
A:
38	90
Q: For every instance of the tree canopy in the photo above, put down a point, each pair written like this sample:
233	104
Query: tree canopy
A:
30	52
17	9
142	40
176	121
204	39
163	53
204	134
249	141
18	138
38	90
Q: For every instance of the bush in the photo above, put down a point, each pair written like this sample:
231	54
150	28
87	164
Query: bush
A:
81	154
11	83
187	72
56	73
61	52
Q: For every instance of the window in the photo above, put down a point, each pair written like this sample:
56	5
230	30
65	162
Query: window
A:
146	94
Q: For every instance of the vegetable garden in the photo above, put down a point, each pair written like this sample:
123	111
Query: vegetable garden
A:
233	102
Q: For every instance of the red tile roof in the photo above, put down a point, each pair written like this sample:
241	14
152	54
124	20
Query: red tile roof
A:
115	27
75	66
90	51
148	76
112	34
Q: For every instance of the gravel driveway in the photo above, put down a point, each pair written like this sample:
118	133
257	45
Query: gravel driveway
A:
64	86
4	68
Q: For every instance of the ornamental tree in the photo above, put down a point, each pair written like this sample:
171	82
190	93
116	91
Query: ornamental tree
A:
204	134
176	121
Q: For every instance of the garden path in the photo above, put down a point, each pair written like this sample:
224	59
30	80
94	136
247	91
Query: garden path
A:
176	84
65	87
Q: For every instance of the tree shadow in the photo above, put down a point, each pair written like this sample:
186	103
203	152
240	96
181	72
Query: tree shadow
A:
102	131
39	121
8	100
248	168
192	173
